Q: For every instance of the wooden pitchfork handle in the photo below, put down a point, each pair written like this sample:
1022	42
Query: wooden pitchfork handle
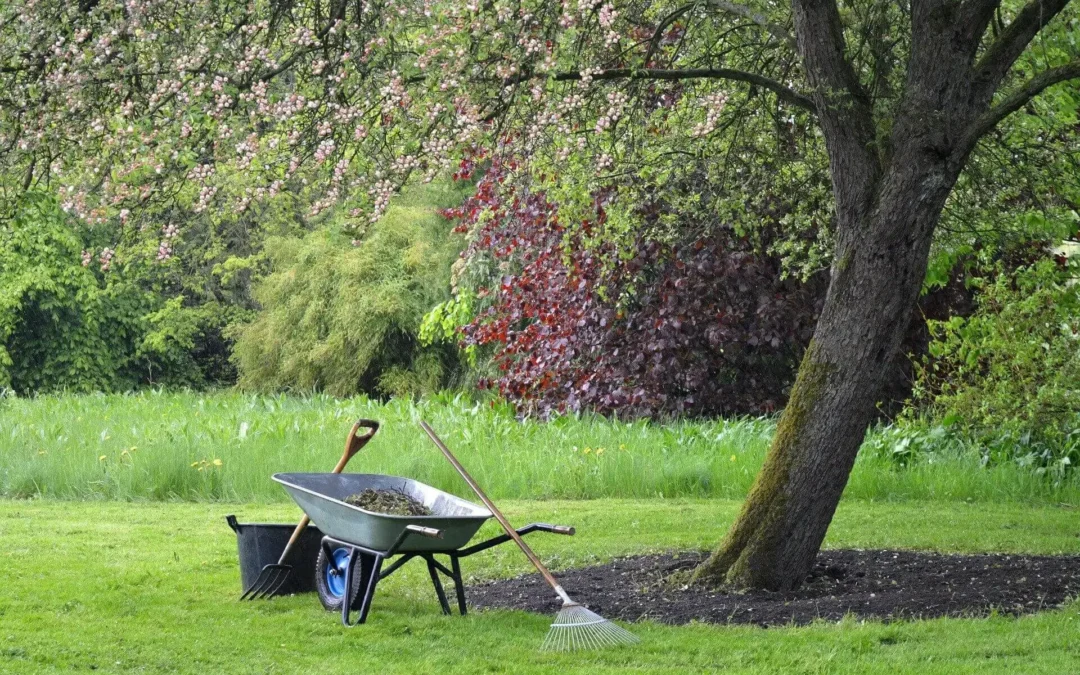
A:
510	531
352	446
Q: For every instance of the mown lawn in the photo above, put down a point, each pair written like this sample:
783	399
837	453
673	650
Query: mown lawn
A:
152	588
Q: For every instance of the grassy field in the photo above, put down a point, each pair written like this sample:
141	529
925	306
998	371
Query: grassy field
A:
113	572
223	446
151	588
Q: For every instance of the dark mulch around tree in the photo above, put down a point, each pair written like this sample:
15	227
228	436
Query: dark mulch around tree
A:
866	584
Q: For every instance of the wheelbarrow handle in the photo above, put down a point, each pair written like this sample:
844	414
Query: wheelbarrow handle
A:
353	444
425	531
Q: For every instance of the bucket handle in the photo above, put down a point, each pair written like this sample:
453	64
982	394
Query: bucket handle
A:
231	520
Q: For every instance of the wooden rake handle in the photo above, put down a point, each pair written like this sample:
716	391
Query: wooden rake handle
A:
510	531
352	446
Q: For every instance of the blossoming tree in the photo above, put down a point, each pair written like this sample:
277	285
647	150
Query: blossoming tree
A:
121	104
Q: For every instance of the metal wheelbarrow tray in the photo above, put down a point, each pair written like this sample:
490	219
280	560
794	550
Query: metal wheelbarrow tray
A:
357	541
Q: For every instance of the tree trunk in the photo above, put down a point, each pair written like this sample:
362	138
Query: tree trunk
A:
889	196
889	193
882	247
875	282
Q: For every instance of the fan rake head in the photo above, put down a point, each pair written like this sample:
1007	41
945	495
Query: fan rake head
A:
577	628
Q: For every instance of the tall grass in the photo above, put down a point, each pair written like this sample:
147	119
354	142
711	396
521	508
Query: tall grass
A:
225	446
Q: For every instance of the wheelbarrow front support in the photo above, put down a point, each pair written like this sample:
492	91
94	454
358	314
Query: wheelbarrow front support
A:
368	563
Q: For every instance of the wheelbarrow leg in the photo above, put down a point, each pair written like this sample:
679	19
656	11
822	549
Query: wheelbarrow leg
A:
459	585
437	583
370	566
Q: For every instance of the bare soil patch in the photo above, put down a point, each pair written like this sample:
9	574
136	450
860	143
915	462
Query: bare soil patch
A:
866	584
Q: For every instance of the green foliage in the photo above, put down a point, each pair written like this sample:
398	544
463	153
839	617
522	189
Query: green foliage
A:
60	326
442	325
344	319
182	343
1009	375
68	321
202	285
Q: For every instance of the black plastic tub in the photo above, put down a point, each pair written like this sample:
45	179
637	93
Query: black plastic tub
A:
261	544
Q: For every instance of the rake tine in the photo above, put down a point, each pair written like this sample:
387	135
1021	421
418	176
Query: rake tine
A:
577	628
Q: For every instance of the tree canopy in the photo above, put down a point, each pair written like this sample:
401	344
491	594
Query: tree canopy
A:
120	105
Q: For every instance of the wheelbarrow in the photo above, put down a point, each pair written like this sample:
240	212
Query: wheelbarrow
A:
356	542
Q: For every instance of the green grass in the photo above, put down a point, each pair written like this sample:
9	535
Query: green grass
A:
164	446
151	588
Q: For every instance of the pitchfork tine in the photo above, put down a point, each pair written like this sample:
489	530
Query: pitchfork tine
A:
279	581
270	580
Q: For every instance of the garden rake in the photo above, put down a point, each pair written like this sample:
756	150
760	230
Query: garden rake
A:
273	577
575	627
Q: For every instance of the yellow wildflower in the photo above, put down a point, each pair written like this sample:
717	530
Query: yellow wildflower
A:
733	458
587	450
217	462
101	459
194	464
599	451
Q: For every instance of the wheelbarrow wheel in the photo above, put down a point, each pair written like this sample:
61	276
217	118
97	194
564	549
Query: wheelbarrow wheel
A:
330	580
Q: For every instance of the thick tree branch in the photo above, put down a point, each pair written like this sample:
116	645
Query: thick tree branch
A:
774	29
1002	54
822	44
28	179
1018	99
843	106
977	15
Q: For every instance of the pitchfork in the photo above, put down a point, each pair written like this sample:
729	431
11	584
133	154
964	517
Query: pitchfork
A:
273	577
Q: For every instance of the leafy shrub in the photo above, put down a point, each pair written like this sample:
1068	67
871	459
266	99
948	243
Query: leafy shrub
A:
574	321
1009	375
61	327
907	444
184	344
344	318
199	268
78	316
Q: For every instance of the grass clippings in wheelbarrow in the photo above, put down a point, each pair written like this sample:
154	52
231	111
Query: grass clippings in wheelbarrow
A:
390	502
